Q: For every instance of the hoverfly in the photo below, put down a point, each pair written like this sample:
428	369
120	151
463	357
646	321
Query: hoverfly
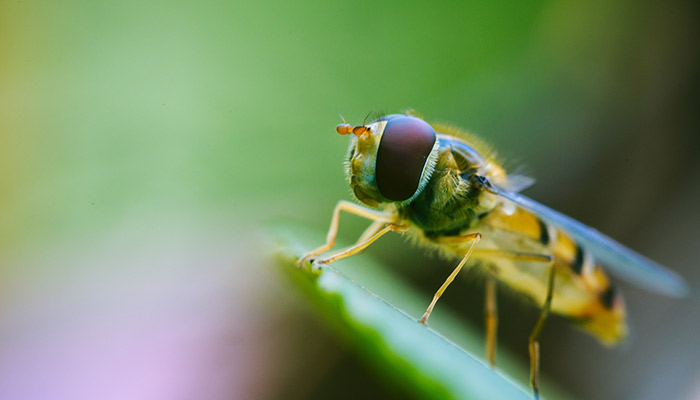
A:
443	187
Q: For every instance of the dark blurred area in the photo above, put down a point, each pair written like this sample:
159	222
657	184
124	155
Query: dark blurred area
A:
145	148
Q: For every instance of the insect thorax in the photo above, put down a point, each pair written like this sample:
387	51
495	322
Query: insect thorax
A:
448	204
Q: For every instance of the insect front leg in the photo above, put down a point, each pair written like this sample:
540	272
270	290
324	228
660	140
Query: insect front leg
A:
375	227
362	245
474	237
352	208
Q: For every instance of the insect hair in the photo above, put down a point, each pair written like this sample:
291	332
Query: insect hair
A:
376	115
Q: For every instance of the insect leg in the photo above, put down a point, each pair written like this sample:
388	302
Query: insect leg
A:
512	255
333	230
533	343
361	246
371	230
474	237
490	306
491	320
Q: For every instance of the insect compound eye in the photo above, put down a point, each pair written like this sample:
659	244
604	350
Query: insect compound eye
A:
403	151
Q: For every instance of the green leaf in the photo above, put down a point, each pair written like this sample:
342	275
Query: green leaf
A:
385	329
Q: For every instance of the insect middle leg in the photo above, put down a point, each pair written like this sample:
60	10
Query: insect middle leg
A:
377	216
475	238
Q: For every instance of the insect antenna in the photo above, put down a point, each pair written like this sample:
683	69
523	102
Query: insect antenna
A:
340	115
344	128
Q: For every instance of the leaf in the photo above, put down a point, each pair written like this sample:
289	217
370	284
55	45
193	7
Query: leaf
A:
415	355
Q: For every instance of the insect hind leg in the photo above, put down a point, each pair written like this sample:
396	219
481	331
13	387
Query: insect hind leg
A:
533	342
491	317
490	308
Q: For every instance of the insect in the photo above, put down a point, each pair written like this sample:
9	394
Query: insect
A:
443	187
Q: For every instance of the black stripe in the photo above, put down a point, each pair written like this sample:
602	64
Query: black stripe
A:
607	296
544	232
577	265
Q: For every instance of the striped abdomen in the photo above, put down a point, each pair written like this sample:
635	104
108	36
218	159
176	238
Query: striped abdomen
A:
582	290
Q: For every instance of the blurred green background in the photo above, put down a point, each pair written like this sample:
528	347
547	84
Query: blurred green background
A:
144	146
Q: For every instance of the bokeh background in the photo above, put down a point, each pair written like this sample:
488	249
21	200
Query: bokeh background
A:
145	147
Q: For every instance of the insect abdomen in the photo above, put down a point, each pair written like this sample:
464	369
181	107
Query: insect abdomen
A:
605	318
582	290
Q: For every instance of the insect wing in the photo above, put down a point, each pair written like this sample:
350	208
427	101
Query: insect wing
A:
620	260
518	183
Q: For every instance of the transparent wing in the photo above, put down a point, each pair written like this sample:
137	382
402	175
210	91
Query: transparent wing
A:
620	260
518	183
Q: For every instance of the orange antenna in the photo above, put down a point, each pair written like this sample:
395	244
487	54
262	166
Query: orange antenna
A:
345	128
340	115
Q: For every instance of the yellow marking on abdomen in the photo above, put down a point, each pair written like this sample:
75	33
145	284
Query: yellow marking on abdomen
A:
582	290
